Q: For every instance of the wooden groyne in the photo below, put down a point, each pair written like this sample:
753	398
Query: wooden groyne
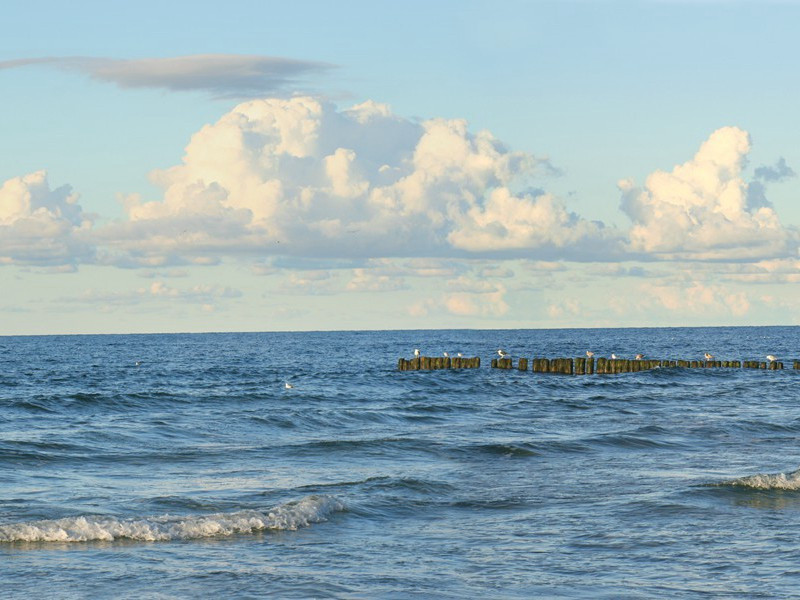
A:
609	366
583	366
429	363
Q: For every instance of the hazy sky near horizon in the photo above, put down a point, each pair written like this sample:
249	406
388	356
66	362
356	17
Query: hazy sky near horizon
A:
248	165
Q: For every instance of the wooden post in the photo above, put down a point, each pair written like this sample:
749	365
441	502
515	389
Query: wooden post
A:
523	364
590	366
580	366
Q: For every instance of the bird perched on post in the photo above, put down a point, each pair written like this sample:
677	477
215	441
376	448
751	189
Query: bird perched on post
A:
416	352
708	356
613	356
771	357
502	353
639	356
589	354
446	355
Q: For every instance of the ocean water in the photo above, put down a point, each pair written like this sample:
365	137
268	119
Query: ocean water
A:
197	473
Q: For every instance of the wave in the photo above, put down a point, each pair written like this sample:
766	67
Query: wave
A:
767	481
289	516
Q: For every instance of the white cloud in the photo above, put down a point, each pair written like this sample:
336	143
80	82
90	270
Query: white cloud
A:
364	280
158	291
700	209
698	298
297	177
40	226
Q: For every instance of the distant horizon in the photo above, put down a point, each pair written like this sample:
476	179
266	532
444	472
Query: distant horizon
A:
465	329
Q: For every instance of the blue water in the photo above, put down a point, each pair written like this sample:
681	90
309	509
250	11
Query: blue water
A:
196	473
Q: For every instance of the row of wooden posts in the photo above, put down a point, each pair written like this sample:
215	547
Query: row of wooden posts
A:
582	366
425	363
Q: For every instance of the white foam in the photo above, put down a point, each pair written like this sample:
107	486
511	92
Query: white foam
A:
290	516
767	481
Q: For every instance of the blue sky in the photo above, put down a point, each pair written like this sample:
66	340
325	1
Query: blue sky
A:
514	164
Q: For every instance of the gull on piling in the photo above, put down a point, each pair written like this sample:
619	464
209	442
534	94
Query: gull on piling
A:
613	356
446	355
639	356
502	353
708	356
416	352
771	357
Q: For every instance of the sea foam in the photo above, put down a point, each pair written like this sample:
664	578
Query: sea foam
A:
768	481
289	516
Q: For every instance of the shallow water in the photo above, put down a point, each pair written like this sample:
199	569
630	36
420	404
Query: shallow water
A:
197	473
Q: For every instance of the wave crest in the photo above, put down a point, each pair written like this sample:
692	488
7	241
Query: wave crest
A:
768	481
289	516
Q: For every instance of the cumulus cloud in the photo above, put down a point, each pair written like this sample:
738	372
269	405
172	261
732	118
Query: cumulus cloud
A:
227	75
40	225
298	177
700	209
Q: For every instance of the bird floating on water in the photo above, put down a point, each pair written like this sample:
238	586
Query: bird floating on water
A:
639	356
416	352
771	357
502	353
589	354
708	356
138	363
288	385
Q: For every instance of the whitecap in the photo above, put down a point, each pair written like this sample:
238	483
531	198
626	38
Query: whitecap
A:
768	481
289	516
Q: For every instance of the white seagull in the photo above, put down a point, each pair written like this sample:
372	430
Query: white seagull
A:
459	355
613	356
288	385
446	355
502	353
639	356
708	356
416	352
589	354
771	357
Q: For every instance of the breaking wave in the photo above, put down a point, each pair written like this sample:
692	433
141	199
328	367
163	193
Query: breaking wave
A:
768	481
289	516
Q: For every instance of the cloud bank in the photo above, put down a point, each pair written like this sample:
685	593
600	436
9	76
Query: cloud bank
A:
299	179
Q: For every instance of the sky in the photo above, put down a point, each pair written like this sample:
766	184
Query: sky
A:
263	166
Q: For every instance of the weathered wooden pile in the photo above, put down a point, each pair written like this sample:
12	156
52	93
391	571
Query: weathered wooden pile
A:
427	363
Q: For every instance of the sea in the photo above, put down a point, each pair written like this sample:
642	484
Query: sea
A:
182	466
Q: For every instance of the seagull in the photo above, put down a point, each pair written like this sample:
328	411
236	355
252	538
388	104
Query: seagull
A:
138	363
771	357
416	352
502	353
613	356
589	354
459	355
639	356
288	385
446	355
708	356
